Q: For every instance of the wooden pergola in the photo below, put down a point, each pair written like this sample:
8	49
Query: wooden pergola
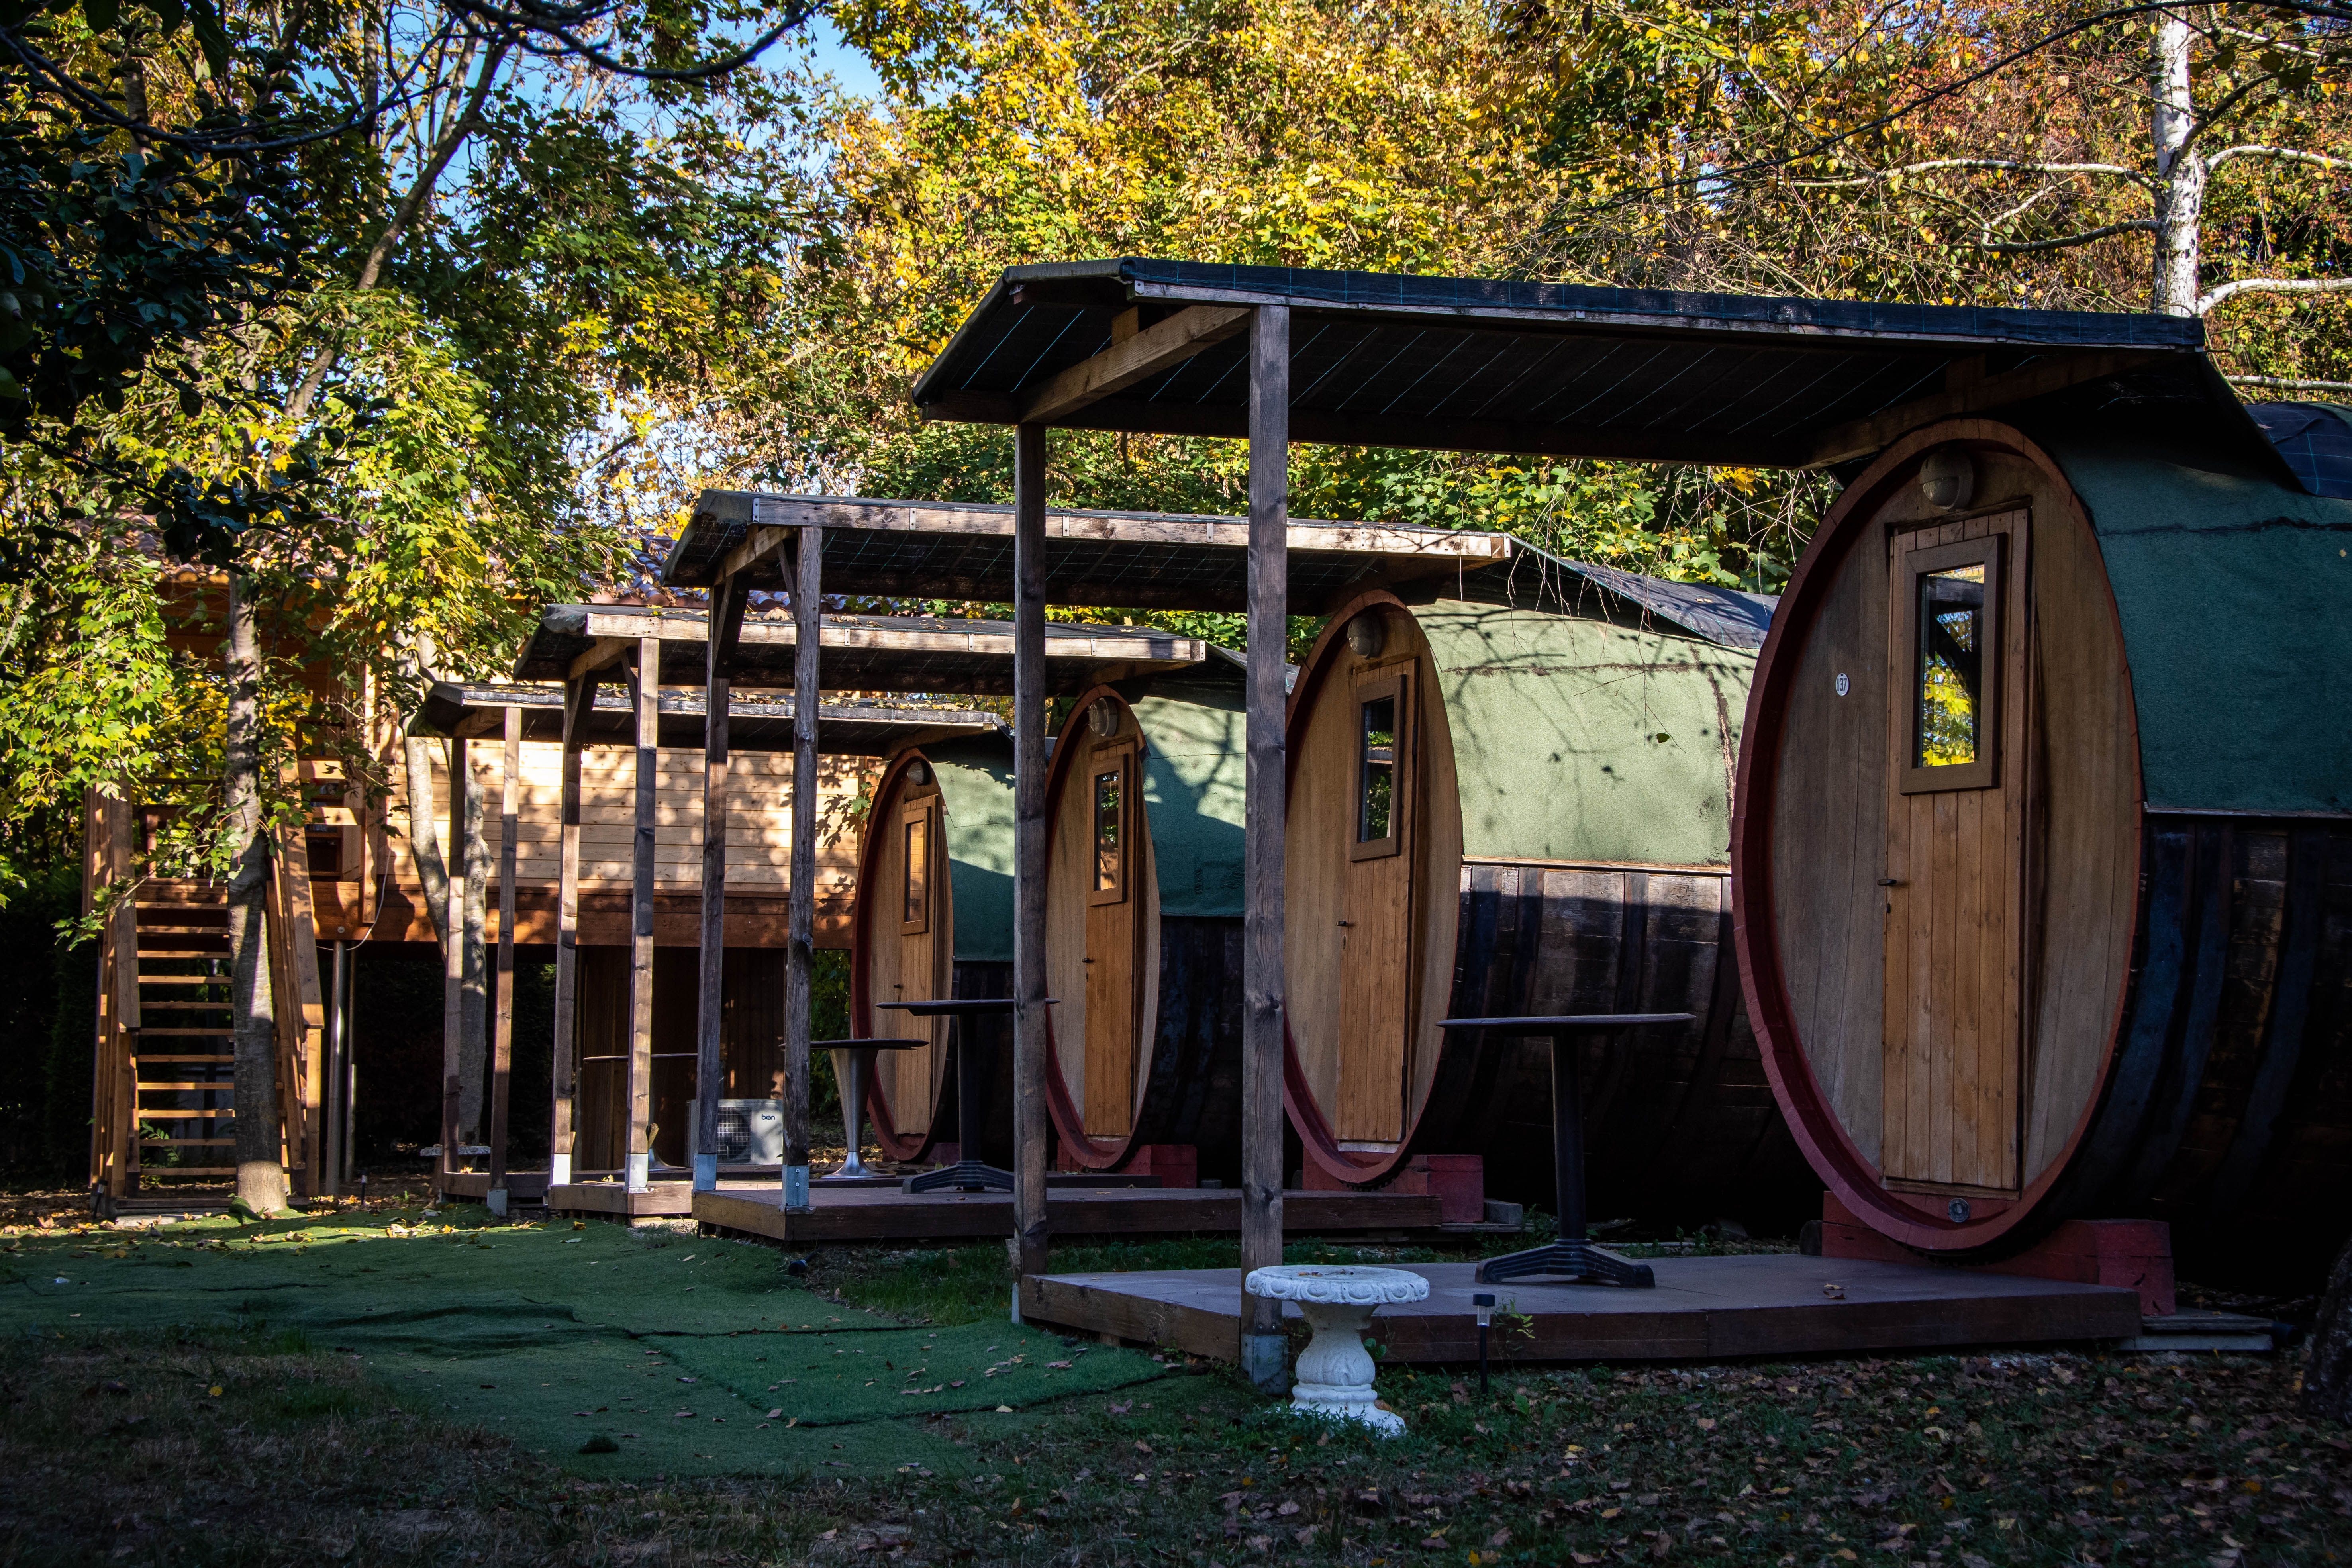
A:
1275	354
1033	556
583	648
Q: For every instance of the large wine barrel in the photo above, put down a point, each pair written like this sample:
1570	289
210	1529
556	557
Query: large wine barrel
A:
1143	897
2043	857
1501	810
934	920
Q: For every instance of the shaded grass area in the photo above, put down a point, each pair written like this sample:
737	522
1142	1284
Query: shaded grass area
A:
115	1447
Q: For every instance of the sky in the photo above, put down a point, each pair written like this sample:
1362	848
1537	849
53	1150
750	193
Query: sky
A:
846	65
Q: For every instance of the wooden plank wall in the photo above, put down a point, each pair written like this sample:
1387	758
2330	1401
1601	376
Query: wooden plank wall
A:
759	831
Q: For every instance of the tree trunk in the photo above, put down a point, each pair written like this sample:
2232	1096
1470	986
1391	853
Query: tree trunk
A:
2180	205
260	1174
2327	1379
473	1010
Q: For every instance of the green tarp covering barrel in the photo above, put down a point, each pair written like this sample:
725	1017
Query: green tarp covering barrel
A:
1498	810
2044	857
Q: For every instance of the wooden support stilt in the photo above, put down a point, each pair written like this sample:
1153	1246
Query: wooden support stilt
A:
1032	1126
640	1099
709	1069
453	967
1263	1344
800	957
579	700
502	1000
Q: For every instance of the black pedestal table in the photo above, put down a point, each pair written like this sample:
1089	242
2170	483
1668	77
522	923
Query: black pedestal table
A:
1574	1255
859	1057
968	1174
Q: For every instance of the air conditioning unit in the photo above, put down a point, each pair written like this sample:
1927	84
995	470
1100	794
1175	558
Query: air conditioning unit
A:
751	1132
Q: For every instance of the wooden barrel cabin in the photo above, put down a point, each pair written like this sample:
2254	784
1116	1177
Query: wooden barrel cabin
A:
2044	860
934	918
1143	905
1513	808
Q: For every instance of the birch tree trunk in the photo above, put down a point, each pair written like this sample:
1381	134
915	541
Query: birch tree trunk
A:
260	1144
2327	1377
2180	200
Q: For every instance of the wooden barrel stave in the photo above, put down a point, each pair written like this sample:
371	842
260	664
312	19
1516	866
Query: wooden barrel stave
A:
1681	1123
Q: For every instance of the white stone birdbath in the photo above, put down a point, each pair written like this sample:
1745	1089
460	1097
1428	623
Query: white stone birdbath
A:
1335	1371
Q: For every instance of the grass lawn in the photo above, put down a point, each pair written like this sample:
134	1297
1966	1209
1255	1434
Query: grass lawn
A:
394	1388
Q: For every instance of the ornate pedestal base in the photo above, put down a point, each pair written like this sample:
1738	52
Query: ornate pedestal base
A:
1335	1371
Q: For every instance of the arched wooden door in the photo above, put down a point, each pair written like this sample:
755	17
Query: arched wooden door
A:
1376	947
912	938
1954	1011
1112	953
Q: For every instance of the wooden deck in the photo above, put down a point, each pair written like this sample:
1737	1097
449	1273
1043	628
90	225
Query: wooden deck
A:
663	1199
474	1186
885	1213
1703	1308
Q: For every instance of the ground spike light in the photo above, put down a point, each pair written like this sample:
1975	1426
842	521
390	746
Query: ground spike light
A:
1484	1301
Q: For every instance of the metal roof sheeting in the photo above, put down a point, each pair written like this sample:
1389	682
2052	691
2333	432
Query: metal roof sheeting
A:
2315	440
1495	366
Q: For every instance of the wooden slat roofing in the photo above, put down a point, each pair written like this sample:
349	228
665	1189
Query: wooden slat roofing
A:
1473	364
903	548
754	723
861	652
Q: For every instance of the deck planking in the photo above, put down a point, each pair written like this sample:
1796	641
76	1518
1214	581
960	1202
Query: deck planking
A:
885	1213
1703	1308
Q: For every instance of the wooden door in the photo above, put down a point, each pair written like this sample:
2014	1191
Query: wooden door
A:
1957	726
921	864
1114	824
1376	960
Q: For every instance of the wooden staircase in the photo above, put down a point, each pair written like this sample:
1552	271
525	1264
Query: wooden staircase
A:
164	1102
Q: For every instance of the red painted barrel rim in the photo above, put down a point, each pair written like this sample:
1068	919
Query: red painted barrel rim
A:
1827	1145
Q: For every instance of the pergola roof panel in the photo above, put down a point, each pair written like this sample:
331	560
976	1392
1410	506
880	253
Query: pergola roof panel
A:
476	710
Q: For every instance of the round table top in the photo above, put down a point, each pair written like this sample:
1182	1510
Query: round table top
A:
960	1005
1353	1285
867	1044
1552	1023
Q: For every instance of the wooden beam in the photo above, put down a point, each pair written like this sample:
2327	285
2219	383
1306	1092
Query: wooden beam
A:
1032	1122
608	652
800	951
452	963
566	1045
760	546
502	1000
1149	352
579	704
647	690
711	992
1263	1349
1965	393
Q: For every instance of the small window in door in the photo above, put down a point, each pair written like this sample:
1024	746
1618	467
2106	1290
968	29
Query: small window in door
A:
915	842
1381	755
1953	668
1108	791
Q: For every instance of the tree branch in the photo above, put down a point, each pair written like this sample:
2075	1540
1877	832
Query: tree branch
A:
2274	286
2288	382
2291	154
2067	242
2011	165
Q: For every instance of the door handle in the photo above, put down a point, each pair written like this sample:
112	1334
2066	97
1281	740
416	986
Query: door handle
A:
1890	881
1347	923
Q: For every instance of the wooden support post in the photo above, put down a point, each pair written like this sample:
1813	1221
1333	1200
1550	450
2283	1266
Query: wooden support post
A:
453	965
717	692
640	1099
800	955
1031	1127
578	701
1263	1345
502	1000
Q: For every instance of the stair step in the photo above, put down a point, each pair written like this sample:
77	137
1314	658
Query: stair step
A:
147	953
152	1086
187	1143
145	1057
183	980
143	1114
205	1034
168	1005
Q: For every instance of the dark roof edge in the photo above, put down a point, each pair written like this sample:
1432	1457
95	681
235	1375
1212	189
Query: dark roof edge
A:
1012	278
